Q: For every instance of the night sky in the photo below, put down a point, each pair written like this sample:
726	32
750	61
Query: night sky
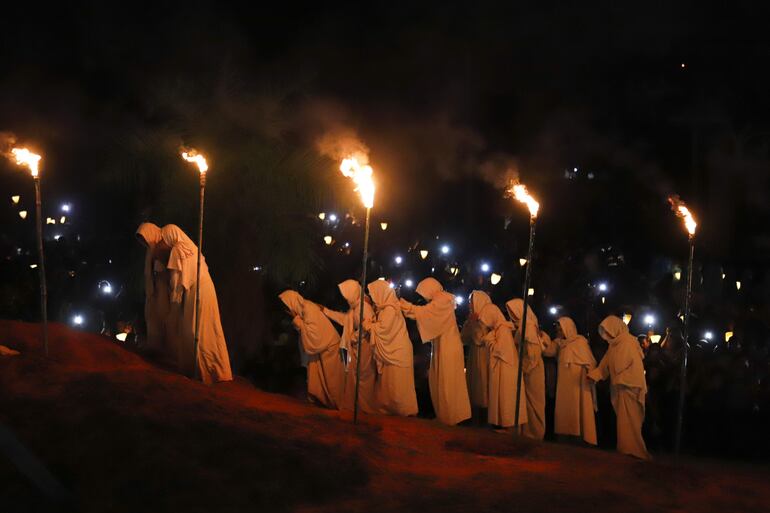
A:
647	100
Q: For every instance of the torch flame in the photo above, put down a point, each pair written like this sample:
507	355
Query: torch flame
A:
681	210
520	193
197	159
24	157
362	177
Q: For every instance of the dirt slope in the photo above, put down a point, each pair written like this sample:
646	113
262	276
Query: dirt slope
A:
123	435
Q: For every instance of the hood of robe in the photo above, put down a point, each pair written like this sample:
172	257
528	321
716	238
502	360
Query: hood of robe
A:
293	301
351	291
515	311
501	343
625	354
568	328
184	254
492	318
478	300
612	328
390	338
574	348
150	233
429	288
382	294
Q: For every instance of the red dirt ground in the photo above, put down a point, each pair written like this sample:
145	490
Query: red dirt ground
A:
123	435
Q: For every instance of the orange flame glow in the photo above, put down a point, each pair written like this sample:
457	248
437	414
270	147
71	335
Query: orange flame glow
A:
681	210
519	192
197	159
362	177
24	157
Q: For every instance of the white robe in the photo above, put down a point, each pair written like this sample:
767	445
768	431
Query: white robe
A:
437	324
575	397
533	369
503	367
160	336
212	361
623	365
477	366
349	320
393	354
321	342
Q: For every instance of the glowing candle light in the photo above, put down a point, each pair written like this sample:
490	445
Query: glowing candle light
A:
626	318
519	192
681	210
195	157
322	216
23	214
328	240
384	226
356	167
24	157
495	278
15	199
423	254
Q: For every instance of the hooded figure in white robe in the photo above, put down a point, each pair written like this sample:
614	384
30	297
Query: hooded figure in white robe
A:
532	368
575	396
393	353
437	324
160	336
349	320
321	342
477	367
212	363
623	365
503	367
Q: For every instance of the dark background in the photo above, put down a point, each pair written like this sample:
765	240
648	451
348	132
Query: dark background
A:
603	109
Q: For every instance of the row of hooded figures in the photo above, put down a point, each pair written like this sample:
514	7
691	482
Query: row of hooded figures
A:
489	378
386	374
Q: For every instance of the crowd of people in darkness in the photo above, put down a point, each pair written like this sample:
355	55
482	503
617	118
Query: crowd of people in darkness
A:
594	384
618	392
504	369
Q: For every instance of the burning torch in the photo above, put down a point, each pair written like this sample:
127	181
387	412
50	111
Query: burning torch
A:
681	210
362	177
26	158
519	192
199	160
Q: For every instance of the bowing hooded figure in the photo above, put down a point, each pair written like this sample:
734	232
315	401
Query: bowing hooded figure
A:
212	363
351	291
437	324
160	336
321	342
623	365
393	353
575	396
503	367
472	334
532	368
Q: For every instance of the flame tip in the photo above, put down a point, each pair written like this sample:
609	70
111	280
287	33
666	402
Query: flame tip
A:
361	173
